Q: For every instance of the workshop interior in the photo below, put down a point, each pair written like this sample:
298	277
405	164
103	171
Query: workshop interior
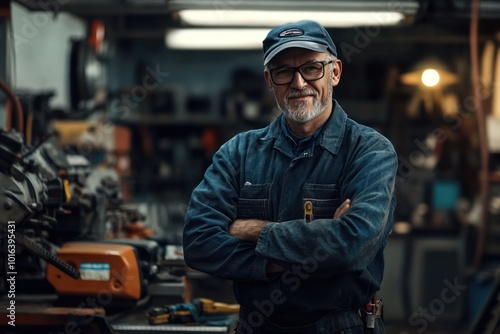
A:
111	110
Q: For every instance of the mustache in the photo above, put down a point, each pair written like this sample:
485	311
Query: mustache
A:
300	93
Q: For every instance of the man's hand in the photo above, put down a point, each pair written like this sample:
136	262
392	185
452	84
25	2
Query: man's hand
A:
247	229
273	268
342	209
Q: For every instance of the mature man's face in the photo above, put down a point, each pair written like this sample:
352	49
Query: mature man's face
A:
302	100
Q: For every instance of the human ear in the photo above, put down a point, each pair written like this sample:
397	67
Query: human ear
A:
336	72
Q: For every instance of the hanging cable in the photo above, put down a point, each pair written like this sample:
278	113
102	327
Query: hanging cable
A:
29	128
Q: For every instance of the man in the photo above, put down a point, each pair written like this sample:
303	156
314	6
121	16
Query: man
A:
297	214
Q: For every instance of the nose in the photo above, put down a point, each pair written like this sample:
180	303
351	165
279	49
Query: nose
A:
298	81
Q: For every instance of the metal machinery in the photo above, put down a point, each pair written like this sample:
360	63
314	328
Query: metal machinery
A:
53	229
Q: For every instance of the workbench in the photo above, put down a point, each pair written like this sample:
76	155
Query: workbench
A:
39	316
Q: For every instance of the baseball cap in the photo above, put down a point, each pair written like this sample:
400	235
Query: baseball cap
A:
303	34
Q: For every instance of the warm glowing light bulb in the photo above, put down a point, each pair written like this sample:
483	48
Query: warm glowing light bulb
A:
430	78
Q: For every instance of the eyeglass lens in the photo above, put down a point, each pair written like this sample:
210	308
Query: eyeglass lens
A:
309	71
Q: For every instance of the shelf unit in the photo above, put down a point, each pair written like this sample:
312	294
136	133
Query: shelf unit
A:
170	152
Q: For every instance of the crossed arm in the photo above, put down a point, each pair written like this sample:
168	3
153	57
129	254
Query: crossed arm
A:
250	229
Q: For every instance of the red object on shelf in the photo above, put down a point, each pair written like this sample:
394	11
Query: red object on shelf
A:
96	35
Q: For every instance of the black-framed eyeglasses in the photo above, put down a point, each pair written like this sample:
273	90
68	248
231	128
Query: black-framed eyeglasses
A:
310	72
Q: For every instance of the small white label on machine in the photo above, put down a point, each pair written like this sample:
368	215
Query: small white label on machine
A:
95	271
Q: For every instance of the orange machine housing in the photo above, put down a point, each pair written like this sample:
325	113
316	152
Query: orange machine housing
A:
109	269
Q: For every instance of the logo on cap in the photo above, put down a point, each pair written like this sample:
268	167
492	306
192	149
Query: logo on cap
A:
291	32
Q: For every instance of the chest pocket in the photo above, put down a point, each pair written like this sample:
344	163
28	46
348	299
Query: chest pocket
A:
325	199
254	201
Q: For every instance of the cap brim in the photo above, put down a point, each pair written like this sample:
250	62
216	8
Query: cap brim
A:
313	46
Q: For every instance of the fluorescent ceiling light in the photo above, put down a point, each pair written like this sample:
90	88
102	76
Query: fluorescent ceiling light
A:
269	18
205	38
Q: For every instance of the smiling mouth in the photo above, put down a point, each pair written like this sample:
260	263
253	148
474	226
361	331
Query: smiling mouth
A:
300	98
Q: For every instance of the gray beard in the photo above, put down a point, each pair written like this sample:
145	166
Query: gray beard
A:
300	113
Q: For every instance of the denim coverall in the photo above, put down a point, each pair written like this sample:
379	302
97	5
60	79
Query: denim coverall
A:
333	265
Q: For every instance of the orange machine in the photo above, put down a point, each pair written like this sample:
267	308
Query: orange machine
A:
108	270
